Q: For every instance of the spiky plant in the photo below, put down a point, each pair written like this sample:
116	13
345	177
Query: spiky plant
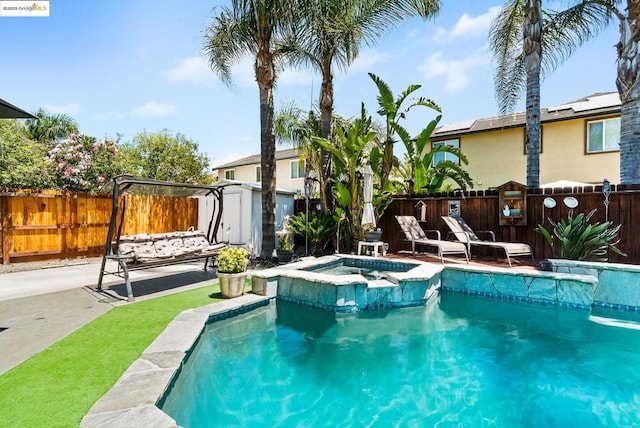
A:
578	239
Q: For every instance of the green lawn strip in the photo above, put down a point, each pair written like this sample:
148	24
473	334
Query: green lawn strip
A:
58	386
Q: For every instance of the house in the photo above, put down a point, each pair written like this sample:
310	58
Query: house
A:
289	170
579	142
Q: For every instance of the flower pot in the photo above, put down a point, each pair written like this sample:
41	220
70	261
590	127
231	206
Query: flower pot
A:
373	236
232	284
285	256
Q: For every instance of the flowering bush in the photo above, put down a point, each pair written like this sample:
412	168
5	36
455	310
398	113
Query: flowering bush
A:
83	163
232	260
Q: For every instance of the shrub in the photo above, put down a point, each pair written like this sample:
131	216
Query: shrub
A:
318	228
232	260
580	240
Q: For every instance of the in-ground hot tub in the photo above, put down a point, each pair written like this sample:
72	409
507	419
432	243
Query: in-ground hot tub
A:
344	283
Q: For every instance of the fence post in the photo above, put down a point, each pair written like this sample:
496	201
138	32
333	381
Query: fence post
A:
5	224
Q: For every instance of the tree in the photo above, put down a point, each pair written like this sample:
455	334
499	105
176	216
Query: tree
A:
351	142
561	34
329	33
297	127
51	128
22	160
82	163
252	27
162	156
393	110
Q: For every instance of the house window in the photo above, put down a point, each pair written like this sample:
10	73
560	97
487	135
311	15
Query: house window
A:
229	174
439	157
258	174
603	135
297	169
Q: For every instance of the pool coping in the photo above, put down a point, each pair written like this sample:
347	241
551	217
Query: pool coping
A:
132	399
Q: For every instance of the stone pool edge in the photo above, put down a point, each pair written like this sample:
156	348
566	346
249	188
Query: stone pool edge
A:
132	399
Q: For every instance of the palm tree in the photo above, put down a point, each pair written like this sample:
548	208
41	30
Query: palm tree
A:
296	127
561	34
503	33
253	27
393	110
329	35
49	128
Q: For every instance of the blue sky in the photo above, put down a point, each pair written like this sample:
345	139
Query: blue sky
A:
129	67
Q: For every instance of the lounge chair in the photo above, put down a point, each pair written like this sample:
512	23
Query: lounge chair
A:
463	233
412	232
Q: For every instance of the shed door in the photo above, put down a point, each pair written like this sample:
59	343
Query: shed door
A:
231	228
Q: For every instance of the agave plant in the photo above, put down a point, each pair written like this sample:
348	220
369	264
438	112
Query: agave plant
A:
578	239
318	228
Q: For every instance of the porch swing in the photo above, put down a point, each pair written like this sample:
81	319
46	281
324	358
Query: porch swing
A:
149	250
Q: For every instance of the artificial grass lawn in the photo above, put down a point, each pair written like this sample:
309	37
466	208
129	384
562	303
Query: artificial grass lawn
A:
58	386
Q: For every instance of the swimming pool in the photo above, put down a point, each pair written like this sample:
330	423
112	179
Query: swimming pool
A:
462	361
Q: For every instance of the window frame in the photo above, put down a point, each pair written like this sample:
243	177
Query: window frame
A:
602	120
231	172
258	174
301	166
433	145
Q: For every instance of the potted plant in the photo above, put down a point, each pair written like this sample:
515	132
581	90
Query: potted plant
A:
232	271
285	249
371	234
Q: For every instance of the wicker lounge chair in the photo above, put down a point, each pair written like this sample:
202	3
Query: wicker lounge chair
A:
412	232
463	233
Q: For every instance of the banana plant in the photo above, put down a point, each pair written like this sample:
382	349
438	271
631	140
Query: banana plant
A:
351	142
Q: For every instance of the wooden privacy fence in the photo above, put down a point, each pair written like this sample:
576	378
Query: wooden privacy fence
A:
39	225
481	210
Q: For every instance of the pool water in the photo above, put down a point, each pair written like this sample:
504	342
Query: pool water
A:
462	361
370	270
351	270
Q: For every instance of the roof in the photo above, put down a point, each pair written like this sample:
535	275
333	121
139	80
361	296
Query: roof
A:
592	105
255	159
223	182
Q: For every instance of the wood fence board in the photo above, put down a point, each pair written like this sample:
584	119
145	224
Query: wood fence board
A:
46	224
482	213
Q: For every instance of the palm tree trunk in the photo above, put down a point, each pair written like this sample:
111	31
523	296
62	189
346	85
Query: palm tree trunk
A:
628	85
326	115
533	60
265	75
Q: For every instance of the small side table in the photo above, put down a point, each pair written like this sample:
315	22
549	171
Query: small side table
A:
376	247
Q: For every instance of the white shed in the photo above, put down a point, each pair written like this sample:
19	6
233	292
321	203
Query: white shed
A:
242	213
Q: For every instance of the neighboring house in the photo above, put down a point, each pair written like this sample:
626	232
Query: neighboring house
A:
580	142
289	170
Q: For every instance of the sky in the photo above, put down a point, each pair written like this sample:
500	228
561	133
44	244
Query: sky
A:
126	67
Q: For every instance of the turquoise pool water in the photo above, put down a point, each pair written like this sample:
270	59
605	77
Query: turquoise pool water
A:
371	270
462	361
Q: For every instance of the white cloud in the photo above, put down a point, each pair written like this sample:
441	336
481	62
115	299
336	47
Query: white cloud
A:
153	110
69	108
467	26
455	72
367	59
243	74
192	69
109	116
291	77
